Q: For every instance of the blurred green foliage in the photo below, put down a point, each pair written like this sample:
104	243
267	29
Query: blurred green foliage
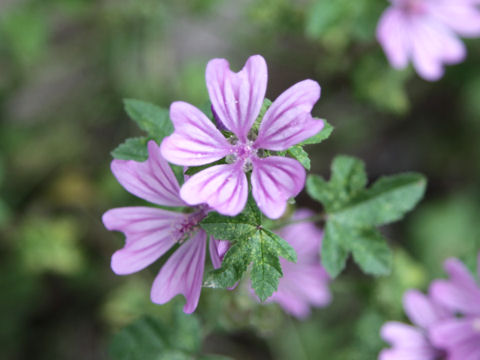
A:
65	65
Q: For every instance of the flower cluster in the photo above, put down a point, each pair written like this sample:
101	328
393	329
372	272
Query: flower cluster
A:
427	33
246	148
446	321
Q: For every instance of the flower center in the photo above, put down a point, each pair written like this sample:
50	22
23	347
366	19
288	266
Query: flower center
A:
241	151
186	228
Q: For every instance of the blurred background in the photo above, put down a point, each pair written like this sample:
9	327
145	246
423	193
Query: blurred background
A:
66	65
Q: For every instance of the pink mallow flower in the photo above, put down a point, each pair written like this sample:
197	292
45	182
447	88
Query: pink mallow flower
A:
427	33
458	335
304	283
150	232
411	342
236	101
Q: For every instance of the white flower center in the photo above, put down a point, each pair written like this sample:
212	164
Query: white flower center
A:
241	151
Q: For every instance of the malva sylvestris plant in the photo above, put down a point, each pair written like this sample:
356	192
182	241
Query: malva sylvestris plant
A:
243	158
427	33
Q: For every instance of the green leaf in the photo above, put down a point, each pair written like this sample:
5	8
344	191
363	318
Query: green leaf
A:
178	172
234	265
347	181
353	211
334	254
319	190
214	357
370	251
142	340
239	227
348	176
150	118
132	149
301	155
386	201
266	270
152	339
280	246
322	135
184	334
251	244
322	17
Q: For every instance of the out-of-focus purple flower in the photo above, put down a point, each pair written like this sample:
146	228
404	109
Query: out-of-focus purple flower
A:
411	342
459	335
236	102
427	33
150	232
304	283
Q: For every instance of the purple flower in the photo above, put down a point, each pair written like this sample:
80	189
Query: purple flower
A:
304	283
459	335
150	232
426	32
411	342
236	100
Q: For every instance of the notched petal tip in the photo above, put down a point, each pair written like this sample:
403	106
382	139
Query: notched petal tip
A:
182	274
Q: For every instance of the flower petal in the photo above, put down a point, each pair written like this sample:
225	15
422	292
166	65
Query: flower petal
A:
152	180
149	234
182	274
451	333
307	246
222	187
196	140
421	353
460	274
460	293
455	297
237	97
434	44
403	335
288	120
422	310
301	286
460	16
217	249
392	34
275	179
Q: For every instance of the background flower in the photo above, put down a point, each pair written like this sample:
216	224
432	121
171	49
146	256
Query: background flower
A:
459	335
412	341
427	33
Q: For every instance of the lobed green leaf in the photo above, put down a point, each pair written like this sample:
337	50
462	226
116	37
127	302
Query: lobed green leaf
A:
386	201
301	155
234	265
150	118
334	254
370	251
235	228
132	149
266	269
